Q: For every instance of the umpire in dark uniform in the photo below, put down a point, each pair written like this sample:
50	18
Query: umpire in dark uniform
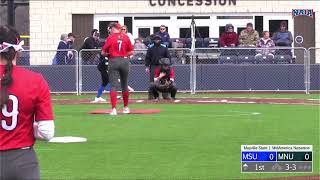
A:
155	52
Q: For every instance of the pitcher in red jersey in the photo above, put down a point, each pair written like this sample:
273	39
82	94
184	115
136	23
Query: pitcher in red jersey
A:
118	48
26	111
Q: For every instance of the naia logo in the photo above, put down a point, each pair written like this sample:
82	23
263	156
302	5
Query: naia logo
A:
302	12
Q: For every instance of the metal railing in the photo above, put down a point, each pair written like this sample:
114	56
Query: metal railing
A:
204	69
251	69
313	70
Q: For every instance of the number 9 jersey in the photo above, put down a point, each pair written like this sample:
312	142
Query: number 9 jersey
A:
29	101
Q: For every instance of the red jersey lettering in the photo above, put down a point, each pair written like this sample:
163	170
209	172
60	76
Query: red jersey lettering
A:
117	45
29	101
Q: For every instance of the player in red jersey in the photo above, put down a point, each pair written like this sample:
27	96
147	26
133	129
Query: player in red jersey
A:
26	111
118	48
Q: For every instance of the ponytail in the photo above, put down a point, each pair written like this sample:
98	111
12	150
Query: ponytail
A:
7	35
6	81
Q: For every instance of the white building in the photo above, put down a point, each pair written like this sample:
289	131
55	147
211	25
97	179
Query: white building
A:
49	18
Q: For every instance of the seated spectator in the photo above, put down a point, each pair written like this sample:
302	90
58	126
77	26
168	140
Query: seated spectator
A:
177	44
165	37
140	52
265	42
139	44
283	37
229	38
248	37
164	80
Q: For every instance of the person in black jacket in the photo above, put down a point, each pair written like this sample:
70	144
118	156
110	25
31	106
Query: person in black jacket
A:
92	42
155	52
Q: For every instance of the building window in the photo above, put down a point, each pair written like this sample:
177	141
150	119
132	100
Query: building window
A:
103	28
201	32
144	32
274	26
239	29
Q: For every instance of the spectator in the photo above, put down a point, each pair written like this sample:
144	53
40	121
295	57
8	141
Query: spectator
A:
229	38
92	42
165	37
61	57
70	40
265	42
248	37
71	54
124	30
177	44
139	44
155	52
164	80
283	37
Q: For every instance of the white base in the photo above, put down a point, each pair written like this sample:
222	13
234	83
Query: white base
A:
67	139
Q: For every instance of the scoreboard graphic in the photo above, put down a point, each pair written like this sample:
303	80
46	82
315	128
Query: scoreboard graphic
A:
276	158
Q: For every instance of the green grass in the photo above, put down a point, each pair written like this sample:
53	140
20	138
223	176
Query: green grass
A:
182	142
188	95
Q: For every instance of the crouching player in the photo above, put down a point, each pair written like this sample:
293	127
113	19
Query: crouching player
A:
164	80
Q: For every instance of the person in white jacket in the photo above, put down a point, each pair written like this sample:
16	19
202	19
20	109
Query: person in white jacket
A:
124	30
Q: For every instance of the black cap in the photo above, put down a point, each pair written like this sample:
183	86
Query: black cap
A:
157	37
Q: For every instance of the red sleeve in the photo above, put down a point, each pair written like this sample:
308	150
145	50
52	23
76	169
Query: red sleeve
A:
106	46
235	38
156	72
222	39
171	73
43	106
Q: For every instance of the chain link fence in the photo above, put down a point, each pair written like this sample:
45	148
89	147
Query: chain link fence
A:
251	69
58	67
314	69
211	69
90	78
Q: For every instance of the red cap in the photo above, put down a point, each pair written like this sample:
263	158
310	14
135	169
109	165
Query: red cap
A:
115	25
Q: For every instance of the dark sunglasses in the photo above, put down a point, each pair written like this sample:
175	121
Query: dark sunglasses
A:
162	28
124	29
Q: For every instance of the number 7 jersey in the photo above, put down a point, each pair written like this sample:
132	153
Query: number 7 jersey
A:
29	101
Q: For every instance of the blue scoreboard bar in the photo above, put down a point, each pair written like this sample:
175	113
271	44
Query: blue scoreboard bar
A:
276	158
258	156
